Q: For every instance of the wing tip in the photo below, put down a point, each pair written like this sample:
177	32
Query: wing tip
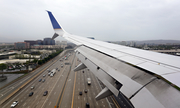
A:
54	22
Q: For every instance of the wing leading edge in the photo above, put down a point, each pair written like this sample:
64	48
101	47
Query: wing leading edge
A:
132	71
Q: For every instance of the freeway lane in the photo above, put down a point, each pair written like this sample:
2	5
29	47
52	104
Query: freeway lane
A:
22	95
10	88
53	98
80	84
63	89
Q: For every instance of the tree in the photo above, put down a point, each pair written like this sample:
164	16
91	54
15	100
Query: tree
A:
43	61
2	67
46	59
40	62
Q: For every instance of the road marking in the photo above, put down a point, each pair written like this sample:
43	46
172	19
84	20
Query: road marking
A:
84	98
96	103
89	98
54	93
113	99
50	103
104	105
74	90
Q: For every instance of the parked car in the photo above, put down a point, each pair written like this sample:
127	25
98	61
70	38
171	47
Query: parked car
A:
14	104
45	93
44	75
30	94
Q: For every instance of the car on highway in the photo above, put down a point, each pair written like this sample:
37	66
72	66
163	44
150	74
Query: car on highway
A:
32	87
59	70
56	68
43	80
80	93
87	105
14	104
30	94
49	73
82	71
61	65
85	91
45	93
44	75
40	80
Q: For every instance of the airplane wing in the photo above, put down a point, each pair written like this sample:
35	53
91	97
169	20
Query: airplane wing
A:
147	79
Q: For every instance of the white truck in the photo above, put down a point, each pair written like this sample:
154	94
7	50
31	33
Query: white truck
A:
89	81
53	72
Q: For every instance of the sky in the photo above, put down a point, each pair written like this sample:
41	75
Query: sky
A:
106	20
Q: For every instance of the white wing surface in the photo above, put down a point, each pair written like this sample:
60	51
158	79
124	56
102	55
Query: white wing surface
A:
146	78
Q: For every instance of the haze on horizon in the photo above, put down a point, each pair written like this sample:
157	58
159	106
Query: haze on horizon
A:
107	20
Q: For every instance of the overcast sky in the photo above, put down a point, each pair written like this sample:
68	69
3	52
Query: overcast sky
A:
113	20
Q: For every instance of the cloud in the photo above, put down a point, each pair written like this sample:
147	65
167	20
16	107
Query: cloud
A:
102	19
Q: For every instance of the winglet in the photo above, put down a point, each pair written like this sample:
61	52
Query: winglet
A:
57	28
53	21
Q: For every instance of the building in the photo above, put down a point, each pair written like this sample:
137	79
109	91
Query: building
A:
63	44
58	43
21	45
132	44
31	42
123	43
48	41
39	42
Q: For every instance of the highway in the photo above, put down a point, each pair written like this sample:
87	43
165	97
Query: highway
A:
63	88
